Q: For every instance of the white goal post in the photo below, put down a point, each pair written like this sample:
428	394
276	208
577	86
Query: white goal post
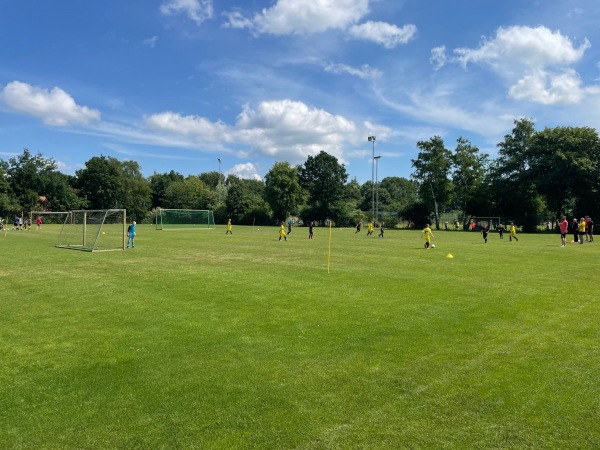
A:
94	230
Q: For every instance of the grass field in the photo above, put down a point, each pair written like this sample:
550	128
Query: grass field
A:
200	340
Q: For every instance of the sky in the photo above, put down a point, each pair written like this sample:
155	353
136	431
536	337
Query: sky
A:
183	84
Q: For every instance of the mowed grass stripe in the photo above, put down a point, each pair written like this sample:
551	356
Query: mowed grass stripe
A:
197	339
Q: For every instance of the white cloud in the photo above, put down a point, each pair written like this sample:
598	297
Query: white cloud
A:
382	33
196	10
438	57
550	89
192	126
535	61
246	171
54	107
292	130
303	16
524	46
364	71
283	129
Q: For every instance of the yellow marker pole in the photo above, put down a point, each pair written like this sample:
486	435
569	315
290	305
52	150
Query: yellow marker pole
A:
329	251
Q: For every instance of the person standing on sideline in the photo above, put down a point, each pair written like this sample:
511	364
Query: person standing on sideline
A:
381	229
38	223
370	228
229	227
501	231
310	229
427	234
484	232
575	230
513	232
589	229
131	235
282	233
564	230
581	230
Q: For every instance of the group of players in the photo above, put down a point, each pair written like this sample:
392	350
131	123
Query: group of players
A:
580	229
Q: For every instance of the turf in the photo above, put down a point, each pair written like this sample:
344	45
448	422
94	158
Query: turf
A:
195	339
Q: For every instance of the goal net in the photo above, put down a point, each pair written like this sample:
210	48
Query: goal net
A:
478	223
179	219
49	217
94	230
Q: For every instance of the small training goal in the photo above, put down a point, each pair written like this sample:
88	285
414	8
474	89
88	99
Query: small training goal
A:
94	230
179	219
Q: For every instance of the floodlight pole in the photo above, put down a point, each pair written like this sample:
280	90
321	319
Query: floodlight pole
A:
219	182
376	158
372	139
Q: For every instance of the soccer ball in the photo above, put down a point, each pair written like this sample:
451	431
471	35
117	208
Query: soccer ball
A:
432	245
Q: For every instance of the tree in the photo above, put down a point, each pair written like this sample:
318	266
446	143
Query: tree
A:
469	169
190	193
512	187
402	192
100	183
432	168
8	202
137	195
324	179
246	202
108	183
565	168
25	174
159	182
59	192
282	189
212	179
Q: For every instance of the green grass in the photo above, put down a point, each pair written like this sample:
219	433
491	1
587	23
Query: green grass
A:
200	340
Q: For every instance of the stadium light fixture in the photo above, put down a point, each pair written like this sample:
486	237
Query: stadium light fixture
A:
372	139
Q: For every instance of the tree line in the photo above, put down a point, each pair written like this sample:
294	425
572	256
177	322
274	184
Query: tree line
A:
537	176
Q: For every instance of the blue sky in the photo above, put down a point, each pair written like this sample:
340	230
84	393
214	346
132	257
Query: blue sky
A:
178	84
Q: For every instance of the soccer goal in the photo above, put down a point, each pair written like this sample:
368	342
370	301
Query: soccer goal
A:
478	223
94	230
179	219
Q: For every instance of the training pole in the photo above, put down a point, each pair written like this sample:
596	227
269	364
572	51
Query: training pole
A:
329	250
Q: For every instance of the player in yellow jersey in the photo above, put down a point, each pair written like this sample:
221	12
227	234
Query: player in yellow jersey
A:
228	227
513	232
369	228
427	234
282	233
581	230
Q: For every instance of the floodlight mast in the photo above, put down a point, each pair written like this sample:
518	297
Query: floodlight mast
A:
372	139
376	158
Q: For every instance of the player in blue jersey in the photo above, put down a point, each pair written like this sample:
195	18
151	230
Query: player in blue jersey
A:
131	235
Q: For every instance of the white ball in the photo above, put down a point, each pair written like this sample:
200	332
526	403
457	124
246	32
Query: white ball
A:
432	245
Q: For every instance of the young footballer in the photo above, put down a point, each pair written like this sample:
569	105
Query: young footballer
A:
427	234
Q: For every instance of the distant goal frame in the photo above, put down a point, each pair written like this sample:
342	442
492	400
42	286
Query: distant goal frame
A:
162	225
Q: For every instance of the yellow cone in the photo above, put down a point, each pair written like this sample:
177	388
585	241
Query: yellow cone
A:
449	256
